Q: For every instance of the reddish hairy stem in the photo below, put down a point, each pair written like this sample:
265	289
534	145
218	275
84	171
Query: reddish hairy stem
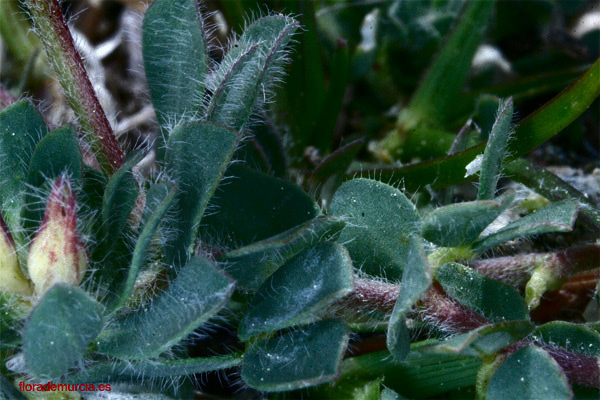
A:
441	310
580	368
80	93
516	270
373	295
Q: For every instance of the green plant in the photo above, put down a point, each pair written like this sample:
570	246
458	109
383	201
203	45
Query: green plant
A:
112	275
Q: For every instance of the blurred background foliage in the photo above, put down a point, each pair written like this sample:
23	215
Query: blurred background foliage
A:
354	68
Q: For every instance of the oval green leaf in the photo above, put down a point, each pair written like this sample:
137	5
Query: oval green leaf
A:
61	326
298	359
529	373
380	220
313	279
494	300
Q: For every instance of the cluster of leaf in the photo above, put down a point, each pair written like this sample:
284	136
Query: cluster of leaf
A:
292	281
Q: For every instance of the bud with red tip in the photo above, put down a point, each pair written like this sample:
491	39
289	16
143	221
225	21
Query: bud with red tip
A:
57	254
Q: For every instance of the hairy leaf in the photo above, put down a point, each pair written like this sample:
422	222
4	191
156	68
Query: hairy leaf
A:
156	207
57	153
196	158
248	70
197	293
21	128
529	373
61	326
311	280
553	188
419	375
484	341
460	224
174	59
569	336
494	300
250	266
297	359
415	281
556	217
114	371
251	206
495	151
380	220
119	199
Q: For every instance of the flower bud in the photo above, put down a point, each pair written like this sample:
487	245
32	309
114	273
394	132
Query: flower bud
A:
12	279
56	254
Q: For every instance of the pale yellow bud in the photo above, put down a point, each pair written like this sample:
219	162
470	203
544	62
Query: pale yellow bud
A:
56	254
11	277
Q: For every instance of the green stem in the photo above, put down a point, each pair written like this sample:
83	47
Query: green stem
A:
66	61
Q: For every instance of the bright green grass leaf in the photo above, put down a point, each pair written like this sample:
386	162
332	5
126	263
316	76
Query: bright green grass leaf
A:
495	151
245	75
250	266
461	223
444	80
157	205
111	371
484	341
297	359
529	373
250	206
531	132
556	217
415	281
61	326
380	221
569	336
494	300
198	292
197	156
312	280
21	128
418	376
553	188
174	59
